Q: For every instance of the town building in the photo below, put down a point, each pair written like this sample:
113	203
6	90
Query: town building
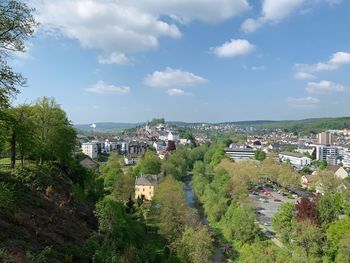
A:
240	152
89	164
296	159
131	158
90	149
145	186
327	153
325	138
346	159
137	148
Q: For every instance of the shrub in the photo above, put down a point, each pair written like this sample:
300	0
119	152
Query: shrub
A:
7	197
78	193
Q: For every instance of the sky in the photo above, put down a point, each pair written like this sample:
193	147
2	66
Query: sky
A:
189	60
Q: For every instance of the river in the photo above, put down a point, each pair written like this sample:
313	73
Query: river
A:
192	202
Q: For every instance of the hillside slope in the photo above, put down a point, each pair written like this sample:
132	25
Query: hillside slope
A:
39	216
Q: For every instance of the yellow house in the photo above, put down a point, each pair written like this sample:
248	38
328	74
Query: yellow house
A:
145	186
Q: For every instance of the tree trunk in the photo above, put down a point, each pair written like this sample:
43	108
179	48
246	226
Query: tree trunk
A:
22	159
13	150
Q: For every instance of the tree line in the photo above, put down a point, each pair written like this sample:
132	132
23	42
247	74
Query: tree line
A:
39	132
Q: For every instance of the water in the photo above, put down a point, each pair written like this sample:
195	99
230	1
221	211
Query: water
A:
191	202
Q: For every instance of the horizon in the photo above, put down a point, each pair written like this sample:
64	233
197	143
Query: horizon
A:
190	61
205	122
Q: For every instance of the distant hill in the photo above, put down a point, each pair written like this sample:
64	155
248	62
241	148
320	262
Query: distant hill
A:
250	123
304	126
104	127
309	125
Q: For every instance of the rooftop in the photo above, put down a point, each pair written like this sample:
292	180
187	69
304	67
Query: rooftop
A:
147	179
296	155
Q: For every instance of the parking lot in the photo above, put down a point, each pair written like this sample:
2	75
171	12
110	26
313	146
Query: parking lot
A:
267	201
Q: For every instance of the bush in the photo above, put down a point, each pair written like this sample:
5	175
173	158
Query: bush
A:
78	193
7	197
46	255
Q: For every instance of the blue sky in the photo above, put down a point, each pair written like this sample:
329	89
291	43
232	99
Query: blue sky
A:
194	60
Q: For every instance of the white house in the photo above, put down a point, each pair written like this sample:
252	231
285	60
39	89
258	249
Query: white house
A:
90	149
172	136
346	159
131	159
296	159
159	146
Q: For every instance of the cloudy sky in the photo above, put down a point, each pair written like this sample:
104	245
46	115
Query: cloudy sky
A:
190	60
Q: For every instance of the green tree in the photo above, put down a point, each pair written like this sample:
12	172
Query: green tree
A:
16	26
123	186
171	210
111	170
310	238
114	222
260	155
328	208
150	164
55	134
262	252
196	245
238	224
284	221
337	233
21	132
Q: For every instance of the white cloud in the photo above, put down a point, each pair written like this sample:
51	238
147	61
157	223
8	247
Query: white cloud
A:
274	11
304	76
340	58
178	92
304	102
126	26
204	10
114	58
324	86
251	25
233	48
258	68
102	88
173	78
337	60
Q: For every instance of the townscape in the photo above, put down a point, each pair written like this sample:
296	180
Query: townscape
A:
159	169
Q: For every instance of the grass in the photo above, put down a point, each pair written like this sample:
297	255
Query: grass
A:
5	161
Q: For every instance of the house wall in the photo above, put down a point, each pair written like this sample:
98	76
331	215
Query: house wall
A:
145	190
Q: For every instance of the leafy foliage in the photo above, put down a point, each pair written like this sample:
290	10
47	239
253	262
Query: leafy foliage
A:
306	210
260	155
16	26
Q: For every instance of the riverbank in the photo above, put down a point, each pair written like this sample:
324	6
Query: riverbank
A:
193	203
